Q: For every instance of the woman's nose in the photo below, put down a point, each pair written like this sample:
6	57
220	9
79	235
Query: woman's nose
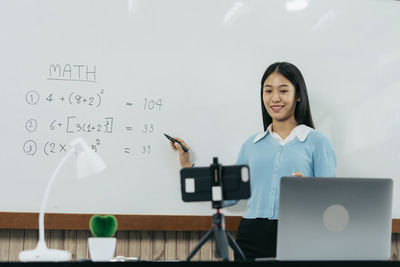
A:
276	97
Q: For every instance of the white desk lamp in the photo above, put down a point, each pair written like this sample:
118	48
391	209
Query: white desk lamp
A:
87	163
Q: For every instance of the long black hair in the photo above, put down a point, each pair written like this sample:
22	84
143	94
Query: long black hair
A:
302	112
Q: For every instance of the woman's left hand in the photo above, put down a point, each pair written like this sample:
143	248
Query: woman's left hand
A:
297	174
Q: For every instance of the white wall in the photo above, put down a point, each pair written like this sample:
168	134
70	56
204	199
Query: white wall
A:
204	60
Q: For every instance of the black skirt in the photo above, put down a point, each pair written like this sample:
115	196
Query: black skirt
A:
257	238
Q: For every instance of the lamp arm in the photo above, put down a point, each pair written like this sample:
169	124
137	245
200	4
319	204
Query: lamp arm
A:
46	195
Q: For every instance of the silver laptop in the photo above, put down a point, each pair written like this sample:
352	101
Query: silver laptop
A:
334	219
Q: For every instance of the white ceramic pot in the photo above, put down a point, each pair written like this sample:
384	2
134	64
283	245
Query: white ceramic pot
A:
102	248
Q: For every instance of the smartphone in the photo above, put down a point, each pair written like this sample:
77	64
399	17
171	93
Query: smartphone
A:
197	183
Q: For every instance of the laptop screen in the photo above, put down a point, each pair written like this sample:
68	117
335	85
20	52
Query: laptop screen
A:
334	219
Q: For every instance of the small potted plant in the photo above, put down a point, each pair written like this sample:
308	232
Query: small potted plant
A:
102	245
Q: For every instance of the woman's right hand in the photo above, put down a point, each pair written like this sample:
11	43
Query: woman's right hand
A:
184	157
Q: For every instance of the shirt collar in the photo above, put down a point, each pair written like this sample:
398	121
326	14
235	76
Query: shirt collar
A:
301	132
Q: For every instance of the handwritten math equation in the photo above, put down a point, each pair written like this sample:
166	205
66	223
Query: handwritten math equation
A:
96	130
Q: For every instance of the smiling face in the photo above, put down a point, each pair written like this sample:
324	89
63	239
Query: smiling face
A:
279	97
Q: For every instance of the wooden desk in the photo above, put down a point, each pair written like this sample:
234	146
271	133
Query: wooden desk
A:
217	264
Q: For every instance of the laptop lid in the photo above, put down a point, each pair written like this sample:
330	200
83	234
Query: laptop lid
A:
334	219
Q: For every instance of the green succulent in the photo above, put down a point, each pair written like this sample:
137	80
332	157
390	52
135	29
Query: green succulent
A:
103	226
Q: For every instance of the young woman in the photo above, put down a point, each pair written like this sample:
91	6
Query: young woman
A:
288	146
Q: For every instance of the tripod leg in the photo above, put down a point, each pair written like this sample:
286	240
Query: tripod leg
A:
235	246
200	244
221	243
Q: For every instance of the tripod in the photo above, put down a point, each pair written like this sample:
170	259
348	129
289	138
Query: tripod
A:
222	238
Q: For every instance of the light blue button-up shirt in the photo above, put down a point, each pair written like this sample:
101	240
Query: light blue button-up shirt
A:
311	153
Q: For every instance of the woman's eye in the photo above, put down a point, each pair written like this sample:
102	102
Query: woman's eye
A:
268	91
283	91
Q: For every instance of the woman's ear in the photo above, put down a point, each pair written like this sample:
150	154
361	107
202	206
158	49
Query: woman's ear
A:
298	99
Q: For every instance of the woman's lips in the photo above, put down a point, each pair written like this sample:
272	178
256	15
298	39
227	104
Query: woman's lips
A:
277	108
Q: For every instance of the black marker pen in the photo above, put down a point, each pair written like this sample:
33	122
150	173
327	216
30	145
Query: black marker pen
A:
176	141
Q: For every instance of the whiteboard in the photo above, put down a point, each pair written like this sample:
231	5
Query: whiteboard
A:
121	73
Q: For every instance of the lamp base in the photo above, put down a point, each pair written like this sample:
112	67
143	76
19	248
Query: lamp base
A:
44	254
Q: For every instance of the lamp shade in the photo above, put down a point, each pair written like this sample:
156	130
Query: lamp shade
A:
87	161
